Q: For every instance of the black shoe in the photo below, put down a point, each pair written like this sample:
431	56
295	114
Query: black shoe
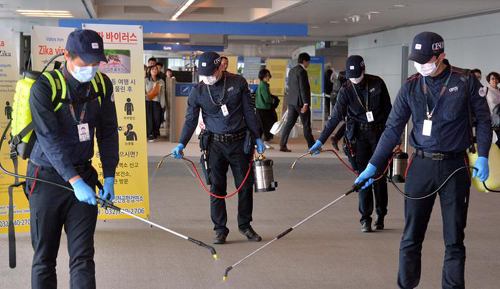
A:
251	235
366	227
220	238
379	223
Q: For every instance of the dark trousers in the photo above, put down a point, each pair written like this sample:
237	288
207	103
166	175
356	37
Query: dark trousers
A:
267	120
223	154
153	118
326	106
425	176
52	208
366	142
293	114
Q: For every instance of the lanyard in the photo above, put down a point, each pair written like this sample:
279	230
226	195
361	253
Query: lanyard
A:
223	94
367	96
71	108
441	93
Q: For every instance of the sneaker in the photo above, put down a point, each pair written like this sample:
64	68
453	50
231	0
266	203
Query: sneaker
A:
268	145
151	138
251	235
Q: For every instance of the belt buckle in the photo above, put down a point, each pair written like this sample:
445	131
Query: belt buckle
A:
437	157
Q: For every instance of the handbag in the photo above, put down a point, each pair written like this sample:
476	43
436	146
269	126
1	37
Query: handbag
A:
279	126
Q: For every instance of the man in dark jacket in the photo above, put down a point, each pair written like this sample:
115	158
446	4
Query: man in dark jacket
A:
298	100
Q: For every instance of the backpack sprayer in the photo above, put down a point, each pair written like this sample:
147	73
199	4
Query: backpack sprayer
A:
23	140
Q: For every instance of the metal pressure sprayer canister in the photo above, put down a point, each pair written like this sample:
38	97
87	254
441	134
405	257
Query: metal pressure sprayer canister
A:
263	172
398	167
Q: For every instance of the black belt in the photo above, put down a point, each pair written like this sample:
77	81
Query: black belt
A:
78	168
439	156
371	126
228	137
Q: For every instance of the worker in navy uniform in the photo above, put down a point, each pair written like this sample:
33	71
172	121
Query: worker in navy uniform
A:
365	101
437	99
229	117
62	154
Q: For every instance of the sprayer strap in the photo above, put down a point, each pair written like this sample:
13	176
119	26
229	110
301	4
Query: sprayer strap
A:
18	138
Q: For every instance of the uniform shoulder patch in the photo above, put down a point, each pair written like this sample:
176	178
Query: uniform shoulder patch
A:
413	77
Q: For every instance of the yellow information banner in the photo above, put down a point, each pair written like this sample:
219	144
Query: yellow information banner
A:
123	46
232	64
277	67
9	74
46	42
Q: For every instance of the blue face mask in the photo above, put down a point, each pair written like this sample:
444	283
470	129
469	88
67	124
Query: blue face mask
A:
84	73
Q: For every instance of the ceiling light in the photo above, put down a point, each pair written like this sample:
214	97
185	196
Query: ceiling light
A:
314	27
184	7
334	22
45	13
177	43
400	5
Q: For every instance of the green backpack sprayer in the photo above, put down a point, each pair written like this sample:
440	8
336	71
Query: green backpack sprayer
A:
23	139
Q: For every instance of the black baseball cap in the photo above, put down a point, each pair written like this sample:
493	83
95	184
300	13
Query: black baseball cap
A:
208	63
354	66
425	46
87	44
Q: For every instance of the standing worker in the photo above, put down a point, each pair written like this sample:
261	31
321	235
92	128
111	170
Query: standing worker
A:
230	120
437	98
365	101
298	100
62	154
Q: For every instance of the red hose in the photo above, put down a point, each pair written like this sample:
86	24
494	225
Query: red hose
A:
221	197
354	172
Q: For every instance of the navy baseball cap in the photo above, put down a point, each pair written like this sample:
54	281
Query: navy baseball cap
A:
425	46
88	45
208	63
354	66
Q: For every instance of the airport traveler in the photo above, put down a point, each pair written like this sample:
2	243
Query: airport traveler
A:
231	124
264	104
493	98
151	62
155	101
62	154
169	73
328	89
298	100
366	103
477	73
224	63
437	98
160	75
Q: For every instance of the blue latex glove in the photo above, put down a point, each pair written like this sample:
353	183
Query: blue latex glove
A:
316	148
177	151
109	189
483	170
260	145
84	193
367	174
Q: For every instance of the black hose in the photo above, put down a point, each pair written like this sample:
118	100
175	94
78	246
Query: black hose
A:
441	186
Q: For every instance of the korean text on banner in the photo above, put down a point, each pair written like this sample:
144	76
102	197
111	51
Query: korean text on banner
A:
46	42
123	47
9	74
278	69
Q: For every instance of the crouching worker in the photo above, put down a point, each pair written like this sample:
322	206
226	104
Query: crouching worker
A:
65	129
232	129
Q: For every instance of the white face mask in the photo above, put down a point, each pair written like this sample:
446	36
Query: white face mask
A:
84	73
426	69
208	80
357	80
